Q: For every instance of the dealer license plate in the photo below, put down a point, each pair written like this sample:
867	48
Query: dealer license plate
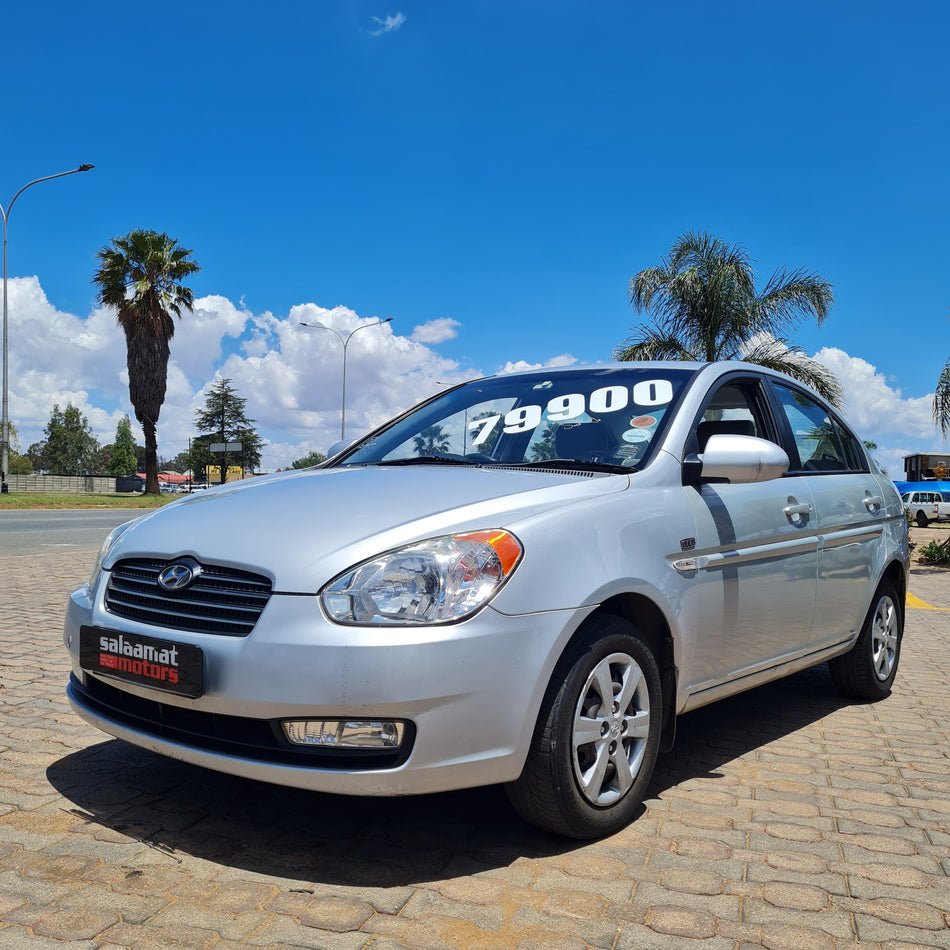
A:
146	661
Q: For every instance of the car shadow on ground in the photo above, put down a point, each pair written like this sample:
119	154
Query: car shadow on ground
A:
714	735
302	837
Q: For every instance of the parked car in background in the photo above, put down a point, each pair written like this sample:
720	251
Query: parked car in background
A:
926	506
522	580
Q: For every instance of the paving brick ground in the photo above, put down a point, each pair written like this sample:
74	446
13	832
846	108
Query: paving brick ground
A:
784	818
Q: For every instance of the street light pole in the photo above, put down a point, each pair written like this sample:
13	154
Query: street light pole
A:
345	339
5	430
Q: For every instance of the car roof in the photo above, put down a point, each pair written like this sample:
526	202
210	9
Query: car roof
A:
716	369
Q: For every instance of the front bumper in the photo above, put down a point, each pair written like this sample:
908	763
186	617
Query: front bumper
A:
469	694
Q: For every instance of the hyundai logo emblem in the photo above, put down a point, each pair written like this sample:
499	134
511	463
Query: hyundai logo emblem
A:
178	576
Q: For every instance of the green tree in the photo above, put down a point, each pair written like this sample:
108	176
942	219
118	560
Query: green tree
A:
223	420
35	455
140	276
181	463
309	460
19	464
199	457
705	307
432	440
941	409
544	448
122	459
70	448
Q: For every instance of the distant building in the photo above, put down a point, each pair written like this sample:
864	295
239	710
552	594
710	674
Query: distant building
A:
926	467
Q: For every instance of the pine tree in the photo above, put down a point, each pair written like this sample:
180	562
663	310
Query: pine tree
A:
224	421
122	461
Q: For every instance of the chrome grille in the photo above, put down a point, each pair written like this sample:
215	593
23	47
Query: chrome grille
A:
220	600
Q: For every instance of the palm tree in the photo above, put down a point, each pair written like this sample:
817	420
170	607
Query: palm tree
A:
140	276
941	410
432	440
705	307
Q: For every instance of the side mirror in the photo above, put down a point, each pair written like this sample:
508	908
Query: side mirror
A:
737	459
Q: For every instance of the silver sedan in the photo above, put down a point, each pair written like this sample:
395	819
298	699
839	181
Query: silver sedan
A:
523	580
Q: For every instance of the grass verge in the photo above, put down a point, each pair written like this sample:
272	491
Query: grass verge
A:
23	501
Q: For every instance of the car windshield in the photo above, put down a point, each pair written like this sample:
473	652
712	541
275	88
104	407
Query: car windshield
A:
596	419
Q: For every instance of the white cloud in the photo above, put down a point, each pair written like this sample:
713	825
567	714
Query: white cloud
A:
199	336
387	24
880	413
436	331
872	404
57	358
519	366
290	376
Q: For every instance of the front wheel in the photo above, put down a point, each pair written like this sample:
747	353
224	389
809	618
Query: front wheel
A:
597	736
921	520
868	670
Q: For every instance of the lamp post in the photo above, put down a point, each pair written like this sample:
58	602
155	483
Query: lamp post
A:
345	339
5	431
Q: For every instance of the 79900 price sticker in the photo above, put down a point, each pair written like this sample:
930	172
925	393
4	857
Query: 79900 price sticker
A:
647	394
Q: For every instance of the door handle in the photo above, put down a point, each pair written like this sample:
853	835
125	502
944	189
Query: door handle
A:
797	513
873	503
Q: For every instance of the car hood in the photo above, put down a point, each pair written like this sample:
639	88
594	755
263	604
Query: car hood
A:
301	529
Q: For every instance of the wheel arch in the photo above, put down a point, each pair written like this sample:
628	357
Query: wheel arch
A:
652	625
648	619
896	573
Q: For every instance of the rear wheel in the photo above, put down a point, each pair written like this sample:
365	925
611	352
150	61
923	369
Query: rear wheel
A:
597	736
921	520
868	670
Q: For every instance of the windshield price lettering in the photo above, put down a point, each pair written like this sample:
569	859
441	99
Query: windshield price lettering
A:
651	392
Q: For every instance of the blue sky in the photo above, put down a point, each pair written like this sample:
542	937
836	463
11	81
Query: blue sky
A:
487	174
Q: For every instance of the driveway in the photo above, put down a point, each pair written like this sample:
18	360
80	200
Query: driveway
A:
783	818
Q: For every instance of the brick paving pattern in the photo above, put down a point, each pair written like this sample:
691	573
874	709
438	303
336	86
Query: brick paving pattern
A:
784	818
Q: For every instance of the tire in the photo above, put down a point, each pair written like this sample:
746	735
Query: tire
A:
868	670
921	519
588	789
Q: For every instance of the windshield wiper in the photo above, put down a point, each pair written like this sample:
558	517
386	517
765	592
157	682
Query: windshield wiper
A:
579	465
425	460
574	465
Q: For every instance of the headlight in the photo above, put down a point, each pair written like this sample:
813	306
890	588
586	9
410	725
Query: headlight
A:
436	581
111	539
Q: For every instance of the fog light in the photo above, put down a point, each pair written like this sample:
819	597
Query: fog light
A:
345	733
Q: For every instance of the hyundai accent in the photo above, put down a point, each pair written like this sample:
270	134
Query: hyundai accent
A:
522	580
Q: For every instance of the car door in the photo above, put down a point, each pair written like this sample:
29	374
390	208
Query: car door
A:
754	593
849	513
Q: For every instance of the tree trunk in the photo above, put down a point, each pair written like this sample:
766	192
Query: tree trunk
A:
151	459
